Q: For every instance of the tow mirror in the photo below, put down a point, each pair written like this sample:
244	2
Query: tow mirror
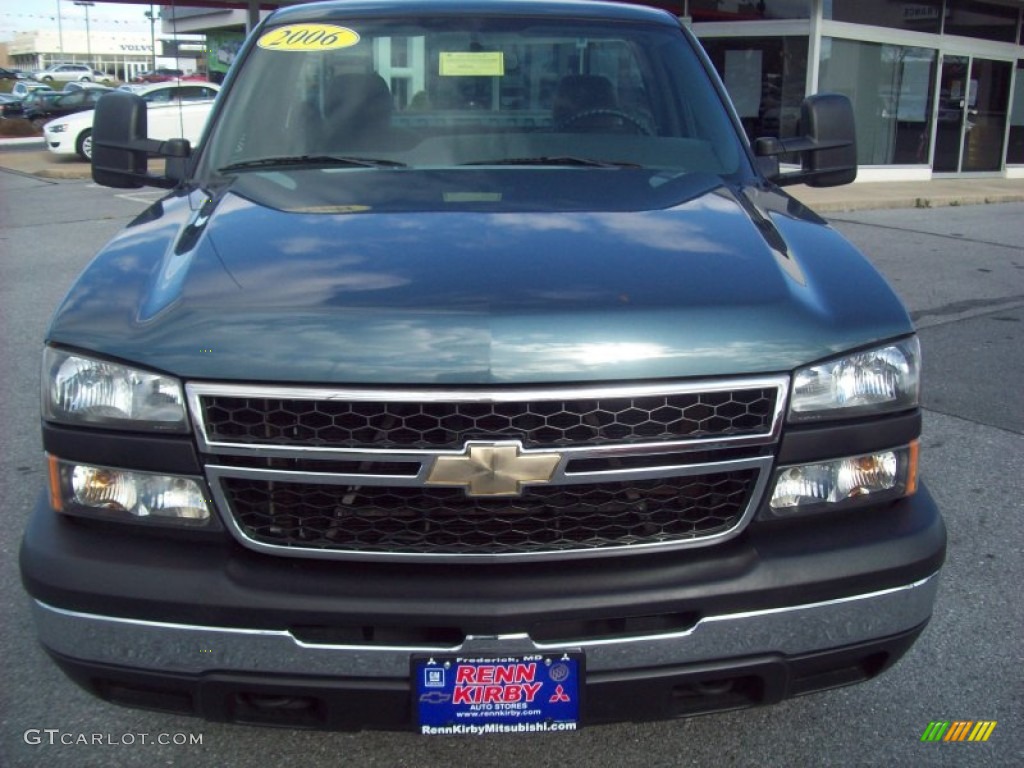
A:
827	148
121	148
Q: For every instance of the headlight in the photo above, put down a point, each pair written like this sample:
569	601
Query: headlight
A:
128	496
844	483
58	128
875	381
81	390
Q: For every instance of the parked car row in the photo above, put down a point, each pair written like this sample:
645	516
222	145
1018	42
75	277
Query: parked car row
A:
174	110
21	108
165	74
40	105
23	88
65	104
24	95
158	75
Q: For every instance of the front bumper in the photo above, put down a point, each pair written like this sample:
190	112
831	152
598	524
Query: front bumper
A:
197	649
234	635
270	678
59	143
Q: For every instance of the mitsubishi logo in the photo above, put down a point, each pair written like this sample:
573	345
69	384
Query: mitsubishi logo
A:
493	469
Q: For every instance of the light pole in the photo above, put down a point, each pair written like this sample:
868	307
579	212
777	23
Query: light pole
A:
87	4
60	32
152	16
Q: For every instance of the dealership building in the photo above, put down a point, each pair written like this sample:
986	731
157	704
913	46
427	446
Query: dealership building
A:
119	55
937	85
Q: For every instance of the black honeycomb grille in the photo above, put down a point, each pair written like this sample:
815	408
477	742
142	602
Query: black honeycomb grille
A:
448	425
444	521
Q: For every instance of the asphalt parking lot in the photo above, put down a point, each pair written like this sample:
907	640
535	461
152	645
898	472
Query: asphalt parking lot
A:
960	270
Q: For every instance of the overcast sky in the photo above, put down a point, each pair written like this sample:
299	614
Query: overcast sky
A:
112	18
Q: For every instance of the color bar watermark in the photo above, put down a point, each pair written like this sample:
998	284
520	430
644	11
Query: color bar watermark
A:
958	730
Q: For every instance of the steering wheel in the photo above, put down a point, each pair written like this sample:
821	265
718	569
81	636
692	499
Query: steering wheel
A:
640	126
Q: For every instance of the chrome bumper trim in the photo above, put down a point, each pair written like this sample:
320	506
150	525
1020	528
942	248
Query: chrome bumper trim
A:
188	649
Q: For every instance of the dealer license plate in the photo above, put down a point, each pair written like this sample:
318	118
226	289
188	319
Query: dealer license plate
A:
473	695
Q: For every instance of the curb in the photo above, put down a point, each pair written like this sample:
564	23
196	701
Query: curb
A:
64	173
27	141
920	202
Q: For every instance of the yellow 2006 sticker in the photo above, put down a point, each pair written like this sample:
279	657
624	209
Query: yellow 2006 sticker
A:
308	37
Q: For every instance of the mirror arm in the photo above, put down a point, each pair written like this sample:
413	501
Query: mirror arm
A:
170	148
799	177
176	151
771	146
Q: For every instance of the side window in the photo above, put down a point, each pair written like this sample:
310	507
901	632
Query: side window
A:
195	93
160	96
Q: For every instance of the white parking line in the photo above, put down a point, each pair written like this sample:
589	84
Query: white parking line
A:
147	198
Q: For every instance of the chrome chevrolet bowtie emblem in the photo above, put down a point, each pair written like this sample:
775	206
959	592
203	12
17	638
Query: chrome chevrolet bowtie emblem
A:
496	469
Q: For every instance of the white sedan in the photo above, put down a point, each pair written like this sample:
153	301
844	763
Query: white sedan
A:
175	110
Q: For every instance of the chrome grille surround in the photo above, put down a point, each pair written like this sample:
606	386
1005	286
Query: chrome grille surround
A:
447	419
618	466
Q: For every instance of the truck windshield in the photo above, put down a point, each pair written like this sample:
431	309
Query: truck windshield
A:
456	91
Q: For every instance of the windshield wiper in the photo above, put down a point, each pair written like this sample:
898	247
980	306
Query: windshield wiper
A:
311	160
555	160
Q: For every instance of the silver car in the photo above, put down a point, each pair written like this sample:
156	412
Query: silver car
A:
64	73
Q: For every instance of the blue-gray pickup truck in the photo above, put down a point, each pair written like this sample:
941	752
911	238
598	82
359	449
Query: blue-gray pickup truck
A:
477	375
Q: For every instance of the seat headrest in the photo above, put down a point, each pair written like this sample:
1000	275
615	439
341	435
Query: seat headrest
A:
358	97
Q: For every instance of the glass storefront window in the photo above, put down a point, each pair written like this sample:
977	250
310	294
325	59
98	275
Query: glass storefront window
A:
987	112
890	87
766	79
919	16
1015	149
983	20
974	103
748	10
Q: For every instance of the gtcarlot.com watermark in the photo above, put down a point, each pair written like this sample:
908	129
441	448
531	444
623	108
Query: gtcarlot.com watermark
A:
55	736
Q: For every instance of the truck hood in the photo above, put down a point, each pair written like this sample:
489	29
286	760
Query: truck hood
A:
719	281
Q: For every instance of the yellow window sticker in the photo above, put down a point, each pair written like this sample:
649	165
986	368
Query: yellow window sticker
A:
308	37
472	64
